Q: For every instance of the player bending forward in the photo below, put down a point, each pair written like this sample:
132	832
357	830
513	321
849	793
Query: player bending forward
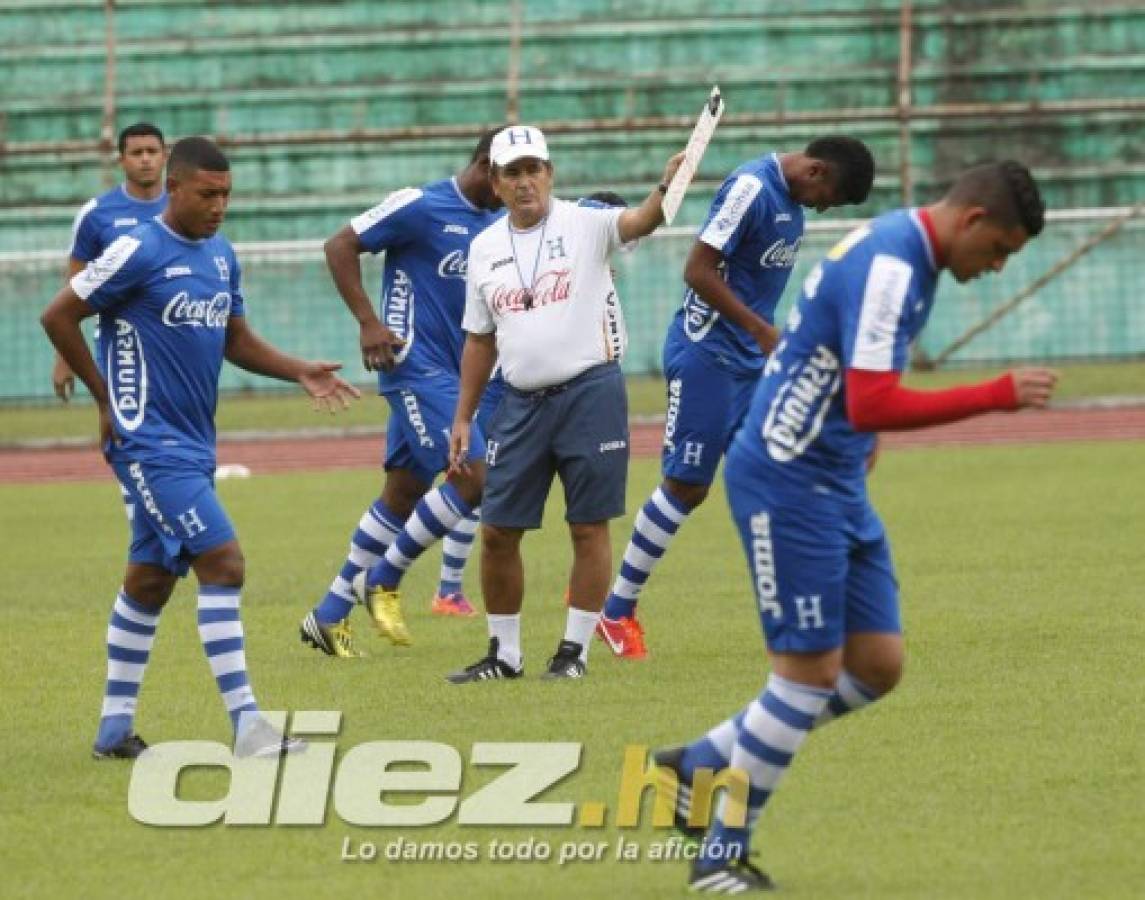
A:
796	482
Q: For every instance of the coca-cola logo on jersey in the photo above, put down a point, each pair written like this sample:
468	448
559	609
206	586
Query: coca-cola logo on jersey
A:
550	288
780	255
182	309
453	265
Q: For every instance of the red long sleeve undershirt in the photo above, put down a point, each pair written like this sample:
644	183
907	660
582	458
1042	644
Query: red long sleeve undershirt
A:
876	401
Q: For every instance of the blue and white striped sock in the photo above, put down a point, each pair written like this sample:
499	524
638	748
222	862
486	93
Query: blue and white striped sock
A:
455	550
437	513
375	532
774	728
656	524
714	749
130	636
850	695
221	631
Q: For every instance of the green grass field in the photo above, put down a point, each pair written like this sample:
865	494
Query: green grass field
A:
288	410
1008	764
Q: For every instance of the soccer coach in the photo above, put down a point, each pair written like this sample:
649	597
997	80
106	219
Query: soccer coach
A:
540	299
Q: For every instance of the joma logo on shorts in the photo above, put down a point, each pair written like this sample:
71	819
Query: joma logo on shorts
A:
135	470
675	387
613	445
763	566
409	400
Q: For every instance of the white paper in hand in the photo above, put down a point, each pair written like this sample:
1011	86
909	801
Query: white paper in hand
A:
693	153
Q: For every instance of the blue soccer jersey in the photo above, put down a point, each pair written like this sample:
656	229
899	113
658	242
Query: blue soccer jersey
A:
164	302
860	308
758	228
104	218
425	233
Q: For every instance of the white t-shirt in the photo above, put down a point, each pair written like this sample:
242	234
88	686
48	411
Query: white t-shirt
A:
573	321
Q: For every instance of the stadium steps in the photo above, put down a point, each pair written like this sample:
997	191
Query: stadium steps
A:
1108	140
354	106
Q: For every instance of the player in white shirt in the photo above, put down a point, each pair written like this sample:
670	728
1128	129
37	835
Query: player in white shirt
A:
541	302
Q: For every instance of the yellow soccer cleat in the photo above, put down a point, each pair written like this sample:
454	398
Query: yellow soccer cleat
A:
385	608
335	639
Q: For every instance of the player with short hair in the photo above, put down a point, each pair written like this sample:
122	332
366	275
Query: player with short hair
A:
795	474
717	343
415	346
540	300
171	306
140	198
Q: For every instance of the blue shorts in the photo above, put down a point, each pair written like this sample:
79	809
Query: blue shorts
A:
417	438
706	404
176	514
578	430
820	569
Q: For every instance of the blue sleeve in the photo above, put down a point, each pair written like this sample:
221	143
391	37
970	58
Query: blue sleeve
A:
238	304
879	320
115	276
85	234
733	213
395	221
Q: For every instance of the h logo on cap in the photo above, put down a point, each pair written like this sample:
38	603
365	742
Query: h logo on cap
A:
516	142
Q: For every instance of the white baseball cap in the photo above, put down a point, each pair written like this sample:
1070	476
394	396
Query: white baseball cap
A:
517	142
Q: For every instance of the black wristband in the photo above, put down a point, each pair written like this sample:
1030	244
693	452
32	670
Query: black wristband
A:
662	187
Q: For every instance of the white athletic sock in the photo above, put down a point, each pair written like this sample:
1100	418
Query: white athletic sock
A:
507	630
579	627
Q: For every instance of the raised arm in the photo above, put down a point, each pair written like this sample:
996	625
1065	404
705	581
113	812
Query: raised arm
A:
640	221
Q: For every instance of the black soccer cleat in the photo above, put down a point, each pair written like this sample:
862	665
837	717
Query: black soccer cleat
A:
489	668
671	759
128	748
567	662
735	877
335	639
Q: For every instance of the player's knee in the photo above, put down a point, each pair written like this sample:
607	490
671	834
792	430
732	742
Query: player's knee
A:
589	534
691	495
149	588
882	673
469	485
818	670
499	541
402	491
224	566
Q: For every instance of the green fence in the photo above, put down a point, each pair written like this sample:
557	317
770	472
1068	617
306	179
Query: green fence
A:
1091	310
